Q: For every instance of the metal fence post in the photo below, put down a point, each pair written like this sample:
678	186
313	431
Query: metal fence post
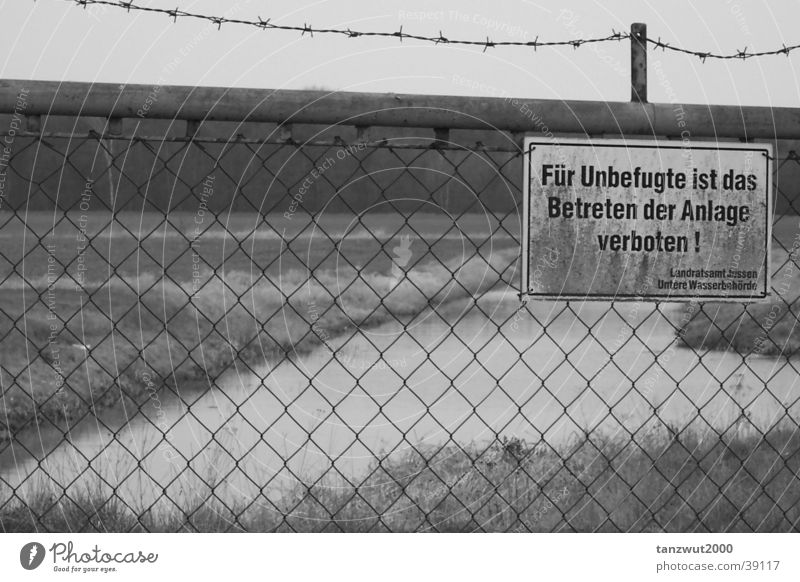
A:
639	62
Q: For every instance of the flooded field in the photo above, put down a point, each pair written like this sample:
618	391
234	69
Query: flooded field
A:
443	352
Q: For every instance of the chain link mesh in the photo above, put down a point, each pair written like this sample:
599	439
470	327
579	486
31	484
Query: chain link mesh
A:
324	334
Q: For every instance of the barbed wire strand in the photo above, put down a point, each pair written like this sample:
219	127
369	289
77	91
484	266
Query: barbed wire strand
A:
267	24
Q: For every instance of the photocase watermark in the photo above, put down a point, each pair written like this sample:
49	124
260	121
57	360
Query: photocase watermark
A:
95	11
519	105
547	260
31	555
161	422
437	490
623	335
421	14
68	559
569	20
541	126
744	230
17	116
94	559
349	360
206	193
81	236
321	167
778	304
491	24
8	141
150	100
305	186
321	332
677	109
649	384
401	257
480	86
548	504
5	157
168	69
739	17
53	276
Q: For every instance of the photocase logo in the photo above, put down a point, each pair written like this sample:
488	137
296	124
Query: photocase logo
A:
31	555
402	256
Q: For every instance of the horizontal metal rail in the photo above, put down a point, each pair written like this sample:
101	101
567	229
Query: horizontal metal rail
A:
378	143
396	110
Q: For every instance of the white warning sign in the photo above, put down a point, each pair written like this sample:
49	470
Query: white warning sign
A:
659	220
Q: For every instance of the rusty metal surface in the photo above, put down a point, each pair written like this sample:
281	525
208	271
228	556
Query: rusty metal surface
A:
647	239
397	110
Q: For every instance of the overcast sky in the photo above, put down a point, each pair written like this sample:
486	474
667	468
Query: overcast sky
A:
55	40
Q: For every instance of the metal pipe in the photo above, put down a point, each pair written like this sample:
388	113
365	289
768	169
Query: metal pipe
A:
538	116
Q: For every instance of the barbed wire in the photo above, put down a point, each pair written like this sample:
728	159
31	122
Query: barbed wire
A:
267	24
348	32
739	54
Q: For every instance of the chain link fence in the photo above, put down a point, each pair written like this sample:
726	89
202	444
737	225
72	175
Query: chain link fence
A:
319	330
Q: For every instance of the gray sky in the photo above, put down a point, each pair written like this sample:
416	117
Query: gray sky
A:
55	40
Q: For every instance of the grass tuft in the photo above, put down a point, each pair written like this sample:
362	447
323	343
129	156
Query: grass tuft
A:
660	481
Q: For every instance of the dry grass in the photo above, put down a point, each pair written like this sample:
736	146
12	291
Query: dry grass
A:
659	482
191	332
